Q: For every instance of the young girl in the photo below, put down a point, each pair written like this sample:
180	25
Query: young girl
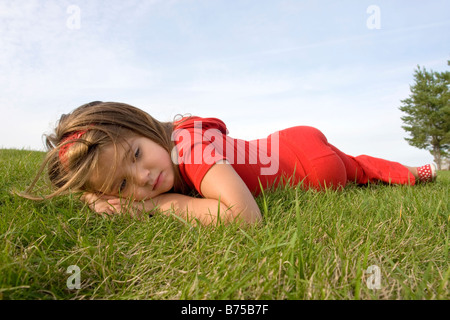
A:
113	152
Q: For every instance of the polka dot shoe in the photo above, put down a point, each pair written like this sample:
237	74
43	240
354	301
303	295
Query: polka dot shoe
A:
427	173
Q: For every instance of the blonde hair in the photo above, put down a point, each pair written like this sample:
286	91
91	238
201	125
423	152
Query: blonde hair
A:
102	123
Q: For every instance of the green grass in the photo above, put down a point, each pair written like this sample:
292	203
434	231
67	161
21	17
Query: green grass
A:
311	245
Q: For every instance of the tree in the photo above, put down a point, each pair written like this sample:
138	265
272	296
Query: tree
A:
427	109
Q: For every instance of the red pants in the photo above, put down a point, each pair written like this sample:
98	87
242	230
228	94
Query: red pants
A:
320	164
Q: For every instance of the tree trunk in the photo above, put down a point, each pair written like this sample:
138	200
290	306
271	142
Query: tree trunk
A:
437	156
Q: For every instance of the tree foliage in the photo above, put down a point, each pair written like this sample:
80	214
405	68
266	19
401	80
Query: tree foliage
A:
427	110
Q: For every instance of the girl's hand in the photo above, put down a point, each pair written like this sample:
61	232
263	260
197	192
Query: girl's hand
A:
111	205
101	203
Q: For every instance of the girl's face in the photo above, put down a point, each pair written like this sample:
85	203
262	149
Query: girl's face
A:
144	169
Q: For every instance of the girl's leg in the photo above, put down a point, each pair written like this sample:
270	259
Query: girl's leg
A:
413	171
325	165
362	169
317	164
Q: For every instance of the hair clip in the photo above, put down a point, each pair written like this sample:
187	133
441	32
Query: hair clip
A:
67	143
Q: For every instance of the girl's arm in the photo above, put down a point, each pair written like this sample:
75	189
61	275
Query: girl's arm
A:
102	204
226	197
225	194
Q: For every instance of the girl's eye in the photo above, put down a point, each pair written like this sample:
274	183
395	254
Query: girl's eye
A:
123	185
137	153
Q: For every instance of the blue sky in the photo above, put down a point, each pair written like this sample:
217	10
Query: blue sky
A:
259	65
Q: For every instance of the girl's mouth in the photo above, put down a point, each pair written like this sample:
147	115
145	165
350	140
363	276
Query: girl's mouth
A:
157	182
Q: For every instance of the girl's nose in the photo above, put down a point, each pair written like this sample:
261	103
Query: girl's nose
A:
142	177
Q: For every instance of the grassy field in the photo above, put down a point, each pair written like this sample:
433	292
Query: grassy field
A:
311	245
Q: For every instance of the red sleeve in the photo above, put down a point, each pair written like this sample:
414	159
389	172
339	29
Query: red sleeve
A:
200	144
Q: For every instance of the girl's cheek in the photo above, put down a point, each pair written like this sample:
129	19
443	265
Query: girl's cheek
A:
141	195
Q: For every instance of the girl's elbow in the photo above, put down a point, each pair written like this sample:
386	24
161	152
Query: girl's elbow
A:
248	216
255	218
222	213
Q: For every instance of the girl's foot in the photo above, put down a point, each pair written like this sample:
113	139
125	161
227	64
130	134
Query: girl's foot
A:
427	173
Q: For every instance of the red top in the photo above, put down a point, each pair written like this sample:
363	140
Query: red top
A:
202	142
300	154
